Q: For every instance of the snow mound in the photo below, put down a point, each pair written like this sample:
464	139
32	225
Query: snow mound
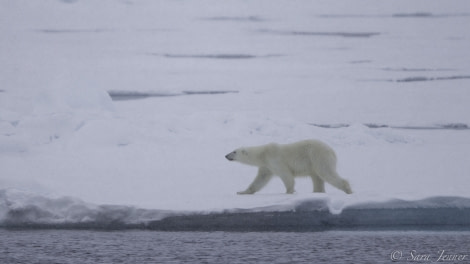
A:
23	209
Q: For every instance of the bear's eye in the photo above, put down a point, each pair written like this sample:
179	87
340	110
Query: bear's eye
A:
244	152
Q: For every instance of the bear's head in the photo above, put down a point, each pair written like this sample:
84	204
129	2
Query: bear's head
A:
240	155
254	156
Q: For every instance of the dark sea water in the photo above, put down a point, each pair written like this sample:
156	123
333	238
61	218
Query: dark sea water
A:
78	246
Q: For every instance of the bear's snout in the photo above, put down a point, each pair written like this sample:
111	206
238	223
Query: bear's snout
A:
230	156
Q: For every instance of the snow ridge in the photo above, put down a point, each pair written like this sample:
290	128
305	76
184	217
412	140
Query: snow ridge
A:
25	210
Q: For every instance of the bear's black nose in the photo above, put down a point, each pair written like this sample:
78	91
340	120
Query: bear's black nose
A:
229	156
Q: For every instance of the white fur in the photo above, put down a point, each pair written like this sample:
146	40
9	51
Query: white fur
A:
304	158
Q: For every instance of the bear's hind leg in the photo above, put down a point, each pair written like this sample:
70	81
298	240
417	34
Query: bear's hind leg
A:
263	177
332	177
318	184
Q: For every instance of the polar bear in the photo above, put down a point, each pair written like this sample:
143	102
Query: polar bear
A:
304	158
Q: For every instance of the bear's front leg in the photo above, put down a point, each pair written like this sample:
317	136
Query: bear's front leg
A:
289	182
247	191
263	177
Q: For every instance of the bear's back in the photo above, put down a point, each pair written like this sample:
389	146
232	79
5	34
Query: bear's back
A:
313	150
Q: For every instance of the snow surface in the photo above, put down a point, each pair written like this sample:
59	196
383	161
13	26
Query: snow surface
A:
384	83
